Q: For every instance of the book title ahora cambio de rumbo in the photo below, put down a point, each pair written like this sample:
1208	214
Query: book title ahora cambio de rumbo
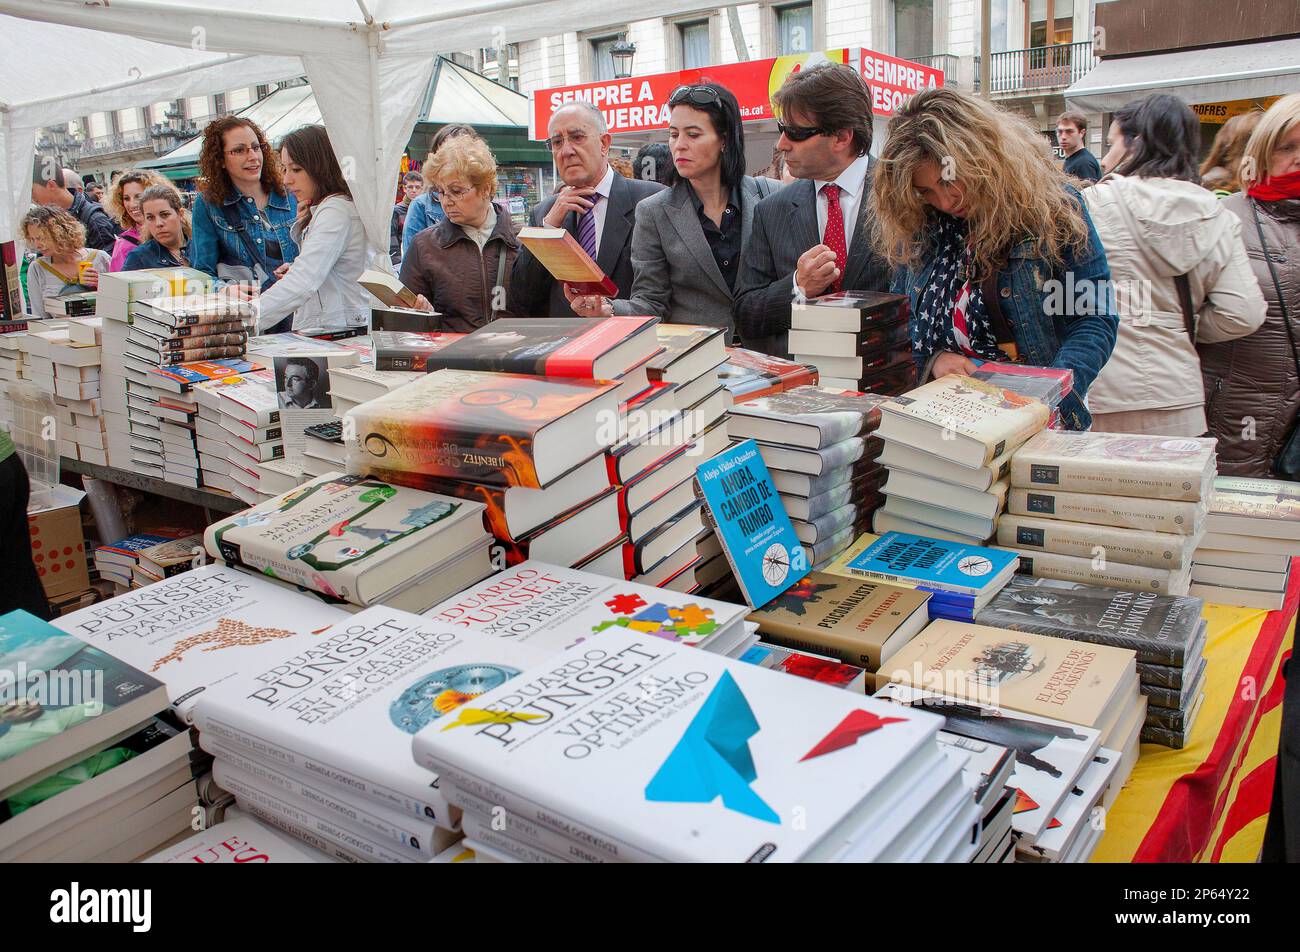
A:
748	502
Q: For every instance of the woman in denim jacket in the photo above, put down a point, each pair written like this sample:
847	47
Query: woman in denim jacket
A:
994	249
243	213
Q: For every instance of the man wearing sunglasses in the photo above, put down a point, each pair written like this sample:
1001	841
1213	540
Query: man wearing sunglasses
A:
595	205
811	237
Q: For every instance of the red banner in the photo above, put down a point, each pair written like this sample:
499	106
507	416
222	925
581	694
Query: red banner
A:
893	81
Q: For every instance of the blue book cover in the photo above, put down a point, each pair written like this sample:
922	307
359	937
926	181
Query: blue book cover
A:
133	544
753	527
935	563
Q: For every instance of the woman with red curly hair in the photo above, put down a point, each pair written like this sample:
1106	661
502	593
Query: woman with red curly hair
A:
243	213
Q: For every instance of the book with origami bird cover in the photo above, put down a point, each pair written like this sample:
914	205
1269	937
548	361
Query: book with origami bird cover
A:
643	749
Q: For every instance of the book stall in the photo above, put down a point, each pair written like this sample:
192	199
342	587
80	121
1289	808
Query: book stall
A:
696	578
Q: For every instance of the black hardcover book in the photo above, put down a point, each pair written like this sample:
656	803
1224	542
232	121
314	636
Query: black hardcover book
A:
1160	628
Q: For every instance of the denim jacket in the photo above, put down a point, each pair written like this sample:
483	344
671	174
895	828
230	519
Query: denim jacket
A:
1061	317
215	242
423	213
153	255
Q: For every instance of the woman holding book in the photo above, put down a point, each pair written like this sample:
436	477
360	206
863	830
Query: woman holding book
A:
1180	270
124	205
169	228
319	290
1252	384
65	265
461	266
993	247
243	214
688	240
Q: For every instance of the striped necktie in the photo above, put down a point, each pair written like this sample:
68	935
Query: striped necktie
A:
587	227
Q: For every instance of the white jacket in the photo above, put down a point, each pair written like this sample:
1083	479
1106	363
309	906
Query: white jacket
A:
320	288
1154	230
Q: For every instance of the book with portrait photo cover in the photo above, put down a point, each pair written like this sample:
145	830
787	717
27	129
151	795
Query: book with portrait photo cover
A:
566	260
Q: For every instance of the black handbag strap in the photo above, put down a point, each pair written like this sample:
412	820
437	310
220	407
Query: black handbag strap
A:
1184	288
236	224
1277	285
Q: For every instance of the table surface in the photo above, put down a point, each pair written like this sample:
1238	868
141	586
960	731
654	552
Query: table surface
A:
213	499
1209	801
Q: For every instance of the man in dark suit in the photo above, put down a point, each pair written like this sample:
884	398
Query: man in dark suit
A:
596	205
813	236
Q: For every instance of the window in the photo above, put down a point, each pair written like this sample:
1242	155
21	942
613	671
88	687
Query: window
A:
695	44
794	29
602	59
237	99
913	29
129	120
1049	22
196	107
98	122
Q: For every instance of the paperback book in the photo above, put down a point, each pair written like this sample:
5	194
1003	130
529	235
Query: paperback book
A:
896	557
1117	464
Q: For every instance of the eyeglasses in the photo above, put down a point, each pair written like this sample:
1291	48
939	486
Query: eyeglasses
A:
455	194
695	95
240	151
577	139
800	133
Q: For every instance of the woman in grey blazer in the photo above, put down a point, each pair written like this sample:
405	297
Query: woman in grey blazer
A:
688	240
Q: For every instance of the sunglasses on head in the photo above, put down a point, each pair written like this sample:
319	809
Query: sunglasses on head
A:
800	133
695	96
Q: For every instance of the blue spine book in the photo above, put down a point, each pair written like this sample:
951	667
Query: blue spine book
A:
935	564
752	524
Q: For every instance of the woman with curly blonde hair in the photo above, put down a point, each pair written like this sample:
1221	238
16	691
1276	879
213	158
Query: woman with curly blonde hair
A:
124	205
992	246
66	265
243	213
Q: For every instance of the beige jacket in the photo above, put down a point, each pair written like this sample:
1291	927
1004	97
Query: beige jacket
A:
1154	230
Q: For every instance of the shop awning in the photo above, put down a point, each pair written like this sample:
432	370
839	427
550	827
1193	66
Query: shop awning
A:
1216	74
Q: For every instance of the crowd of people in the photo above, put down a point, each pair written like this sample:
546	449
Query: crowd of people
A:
1166	285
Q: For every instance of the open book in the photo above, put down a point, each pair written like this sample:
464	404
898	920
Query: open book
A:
560	253
386	287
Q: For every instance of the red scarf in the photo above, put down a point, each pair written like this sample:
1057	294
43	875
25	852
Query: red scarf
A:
1277	188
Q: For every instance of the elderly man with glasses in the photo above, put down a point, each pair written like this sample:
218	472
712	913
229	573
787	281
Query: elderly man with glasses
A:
595	205
811	237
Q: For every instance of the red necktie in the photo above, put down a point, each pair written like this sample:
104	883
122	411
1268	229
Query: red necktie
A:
834	237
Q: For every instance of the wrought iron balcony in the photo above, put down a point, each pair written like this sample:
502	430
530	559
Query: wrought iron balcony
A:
1040	68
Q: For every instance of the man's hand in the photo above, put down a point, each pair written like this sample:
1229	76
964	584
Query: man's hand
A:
568	199
949	363
422	303
816	270
588	305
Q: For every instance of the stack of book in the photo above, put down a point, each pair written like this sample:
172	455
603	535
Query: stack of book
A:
91	766
947	447
961	579
352	386
806	772
116	561
1252	531
986	774
14	345
168	331
165	559
408	350
81	304
238	433
690	360
1047	385
747	374
810	438
854	620
857	340
77	394
1109	509
359	541
1167	633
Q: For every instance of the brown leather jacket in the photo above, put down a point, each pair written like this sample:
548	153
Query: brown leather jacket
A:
1252	391
460	281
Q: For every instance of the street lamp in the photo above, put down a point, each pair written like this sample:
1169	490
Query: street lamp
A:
622	53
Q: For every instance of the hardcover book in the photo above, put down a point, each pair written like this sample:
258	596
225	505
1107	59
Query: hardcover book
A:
1017	671
198	628
1046	384
350	537
1117	464
714	758
747	374
165	559
851	311
970	422
561	254
896	557
192	309
387	289
239	838
408	350
805	416
552	608
1157	550
497	429
587	348
755	532
345	707
1127	512
689	351
1071	568
857	621
1161	629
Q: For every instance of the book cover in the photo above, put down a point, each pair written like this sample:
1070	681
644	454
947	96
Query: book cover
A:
561	254
747	374
1046	384
128	550
1079	813
932	563
174	556
1157	550
680	342
387	289
1126	512
345	707
408	350
552	608
1108	574
349	537
238	839
833	416
827	671
859	622
715	759
181	377
195	309
547	346
959	408
755	532
1016	671
1117	464
1259	507
482	427
196	629
1159	628
850	311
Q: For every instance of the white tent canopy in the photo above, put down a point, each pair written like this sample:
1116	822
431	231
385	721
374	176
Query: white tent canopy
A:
368	62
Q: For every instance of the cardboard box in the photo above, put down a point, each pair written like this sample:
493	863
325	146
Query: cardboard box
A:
58	547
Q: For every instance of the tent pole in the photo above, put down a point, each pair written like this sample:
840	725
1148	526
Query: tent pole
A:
376	122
